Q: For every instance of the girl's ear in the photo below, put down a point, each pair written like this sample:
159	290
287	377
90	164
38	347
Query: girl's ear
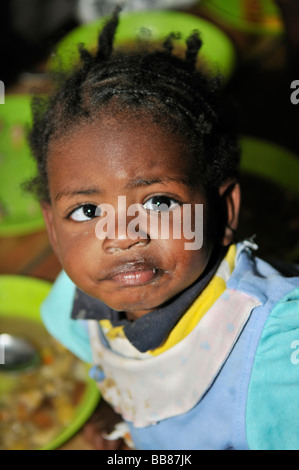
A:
230	194
48	217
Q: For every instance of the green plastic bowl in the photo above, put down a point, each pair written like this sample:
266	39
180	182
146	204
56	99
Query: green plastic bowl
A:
273	163
270	161
217	51
19	212
21	296
252	16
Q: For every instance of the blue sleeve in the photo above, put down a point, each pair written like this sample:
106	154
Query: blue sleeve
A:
272	416
56	314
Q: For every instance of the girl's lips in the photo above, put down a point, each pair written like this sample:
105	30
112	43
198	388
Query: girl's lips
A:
131	273
134	278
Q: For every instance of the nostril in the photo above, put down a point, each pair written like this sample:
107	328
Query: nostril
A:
112	249
115	245
141	243
119	245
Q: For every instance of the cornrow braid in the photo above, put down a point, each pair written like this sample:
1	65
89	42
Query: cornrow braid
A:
148	79
106	40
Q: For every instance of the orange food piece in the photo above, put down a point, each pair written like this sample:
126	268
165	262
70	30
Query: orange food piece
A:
78	393
42	419
48	360
47	356
22	412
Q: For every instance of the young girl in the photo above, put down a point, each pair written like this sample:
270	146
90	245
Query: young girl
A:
196	348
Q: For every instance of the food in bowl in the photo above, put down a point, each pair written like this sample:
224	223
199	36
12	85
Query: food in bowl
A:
38	404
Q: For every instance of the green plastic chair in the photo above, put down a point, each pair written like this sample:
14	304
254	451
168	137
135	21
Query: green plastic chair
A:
20	213
270	161
278	166
251	16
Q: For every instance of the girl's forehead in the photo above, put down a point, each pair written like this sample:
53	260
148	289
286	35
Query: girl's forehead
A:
123	145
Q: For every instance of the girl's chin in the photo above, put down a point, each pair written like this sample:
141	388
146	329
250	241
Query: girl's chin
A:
136	302
133	312
134	309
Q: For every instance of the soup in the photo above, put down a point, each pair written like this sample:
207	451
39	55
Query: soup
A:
36	405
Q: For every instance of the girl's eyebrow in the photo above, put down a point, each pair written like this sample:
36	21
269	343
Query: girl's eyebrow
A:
163	179
69	193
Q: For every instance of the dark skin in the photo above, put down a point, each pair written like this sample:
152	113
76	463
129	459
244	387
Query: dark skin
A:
103	421
133	158
96	165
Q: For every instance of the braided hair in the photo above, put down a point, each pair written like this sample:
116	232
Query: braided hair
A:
171	90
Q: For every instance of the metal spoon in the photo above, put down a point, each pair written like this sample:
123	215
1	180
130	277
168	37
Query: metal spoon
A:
17	353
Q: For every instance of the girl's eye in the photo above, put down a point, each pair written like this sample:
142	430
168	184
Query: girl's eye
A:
85	212
160	204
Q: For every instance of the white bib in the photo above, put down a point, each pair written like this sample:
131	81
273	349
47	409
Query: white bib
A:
146	391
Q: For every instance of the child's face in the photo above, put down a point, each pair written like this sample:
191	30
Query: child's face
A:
98	163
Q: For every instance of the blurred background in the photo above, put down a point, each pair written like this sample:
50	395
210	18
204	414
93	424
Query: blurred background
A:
265	41
254	43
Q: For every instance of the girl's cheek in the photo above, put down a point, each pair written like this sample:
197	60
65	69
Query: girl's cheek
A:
72	243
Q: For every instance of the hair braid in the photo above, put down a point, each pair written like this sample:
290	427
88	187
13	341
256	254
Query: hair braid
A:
105	44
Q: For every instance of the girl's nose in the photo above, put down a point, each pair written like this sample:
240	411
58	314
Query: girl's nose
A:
113	246
125	241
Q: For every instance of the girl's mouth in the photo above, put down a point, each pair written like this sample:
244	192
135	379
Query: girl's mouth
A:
135	278
133	274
